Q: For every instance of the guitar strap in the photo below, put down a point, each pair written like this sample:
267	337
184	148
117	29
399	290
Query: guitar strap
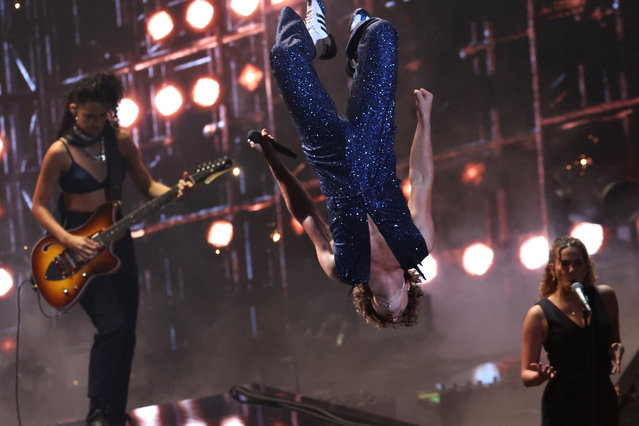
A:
115	165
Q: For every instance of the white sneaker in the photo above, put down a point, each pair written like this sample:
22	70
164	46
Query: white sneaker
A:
317	28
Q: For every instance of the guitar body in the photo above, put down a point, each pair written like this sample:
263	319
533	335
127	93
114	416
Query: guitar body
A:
61	279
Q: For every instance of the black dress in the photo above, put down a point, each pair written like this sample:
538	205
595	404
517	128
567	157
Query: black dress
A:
581	394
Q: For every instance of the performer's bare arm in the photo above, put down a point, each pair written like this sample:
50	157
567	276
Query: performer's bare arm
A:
301	206
420	173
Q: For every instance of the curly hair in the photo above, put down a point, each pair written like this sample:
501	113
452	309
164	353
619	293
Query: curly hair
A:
102	86
548	281
362	300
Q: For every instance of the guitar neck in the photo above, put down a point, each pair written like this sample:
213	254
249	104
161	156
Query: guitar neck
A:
118	229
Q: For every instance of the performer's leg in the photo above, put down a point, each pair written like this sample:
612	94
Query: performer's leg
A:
311	107
372	97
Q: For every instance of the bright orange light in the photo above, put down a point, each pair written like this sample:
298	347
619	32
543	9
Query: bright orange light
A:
6	281
477	259
232	420
8	345
276	236
244	7
159	25
220	233
405	187
250	77
591	234
473	173
297	227
128	112
206	91
1	147
168	100
533	253
199	14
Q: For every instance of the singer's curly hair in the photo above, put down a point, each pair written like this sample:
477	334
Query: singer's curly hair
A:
362	300
548	281
102	86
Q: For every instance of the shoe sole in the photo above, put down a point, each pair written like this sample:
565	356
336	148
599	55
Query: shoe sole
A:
327	46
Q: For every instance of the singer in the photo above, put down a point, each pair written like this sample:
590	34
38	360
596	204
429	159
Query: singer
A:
376	240
583	350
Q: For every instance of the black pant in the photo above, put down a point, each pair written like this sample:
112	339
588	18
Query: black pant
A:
111	302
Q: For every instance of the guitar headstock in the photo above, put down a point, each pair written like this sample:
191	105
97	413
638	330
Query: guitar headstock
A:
207	172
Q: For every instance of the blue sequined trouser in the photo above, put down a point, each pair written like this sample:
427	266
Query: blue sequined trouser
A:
352	156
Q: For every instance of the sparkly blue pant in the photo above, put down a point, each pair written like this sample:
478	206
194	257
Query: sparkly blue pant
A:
352	156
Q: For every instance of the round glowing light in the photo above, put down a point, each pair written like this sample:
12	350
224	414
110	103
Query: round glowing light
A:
591	234
6	282
8	345
244	7
232	420
297	227
276	236
533	253
160	25
206	91
128	112
199	14
168	101
17	5
220	233
477	259
236	171
405	187
429	268
250	77
486	373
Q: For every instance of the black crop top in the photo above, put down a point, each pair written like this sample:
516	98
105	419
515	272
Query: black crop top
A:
77	180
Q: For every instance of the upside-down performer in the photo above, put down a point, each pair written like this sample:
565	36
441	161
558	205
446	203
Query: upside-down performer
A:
376	240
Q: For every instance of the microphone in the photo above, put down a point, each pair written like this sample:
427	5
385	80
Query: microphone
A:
256	137
578	289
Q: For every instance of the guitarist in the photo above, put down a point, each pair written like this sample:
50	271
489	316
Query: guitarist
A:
88	161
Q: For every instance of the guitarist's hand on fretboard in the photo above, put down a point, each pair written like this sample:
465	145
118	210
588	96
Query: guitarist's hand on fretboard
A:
82	248
185	185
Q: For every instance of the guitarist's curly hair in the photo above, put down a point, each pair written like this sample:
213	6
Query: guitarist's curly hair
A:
103	87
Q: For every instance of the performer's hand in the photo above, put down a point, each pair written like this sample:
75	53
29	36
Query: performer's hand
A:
617	350
83	248
424	104
265	147
185	185
544	371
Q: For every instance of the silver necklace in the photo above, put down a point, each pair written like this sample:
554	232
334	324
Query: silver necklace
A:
388	302
100	156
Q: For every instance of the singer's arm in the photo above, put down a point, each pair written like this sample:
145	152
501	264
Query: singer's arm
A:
301	206
609	299
534	334
420	172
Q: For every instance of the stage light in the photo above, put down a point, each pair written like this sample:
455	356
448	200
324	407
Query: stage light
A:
199	14
6	282
236	171
206	91
250	77
17	5
405	187
275	236
1	147
128	112
473	173
297	227
429	268
486	373
232	420
8	345
220	233
244	7
533	253
168	100
159	25
477	259
591	234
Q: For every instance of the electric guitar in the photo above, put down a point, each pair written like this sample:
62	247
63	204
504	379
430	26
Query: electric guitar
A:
62	279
